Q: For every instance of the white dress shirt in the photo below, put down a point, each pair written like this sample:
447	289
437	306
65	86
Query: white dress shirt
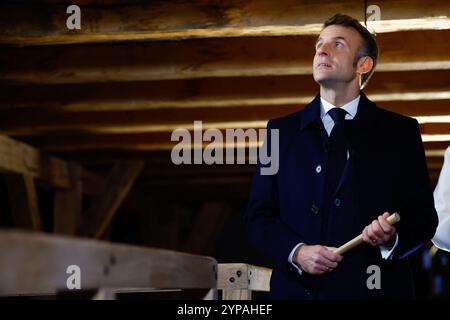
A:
351	108
442	203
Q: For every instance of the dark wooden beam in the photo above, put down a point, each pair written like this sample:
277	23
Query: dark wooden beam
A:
215	92
201	58
435	128
153	141
24	202
34	121
45	23
37	264
67	204
103	208
20	158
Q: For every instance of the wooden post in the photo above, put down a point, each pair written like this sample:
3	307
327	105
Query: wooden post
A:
24	202
67	204
238	280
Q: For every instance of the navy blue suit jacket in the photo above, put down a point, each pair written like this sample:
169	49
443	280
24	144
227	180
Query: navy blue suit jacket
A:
390	174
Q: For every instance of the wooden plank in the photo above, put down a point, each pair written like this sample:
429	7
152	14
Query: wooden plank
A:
206	58
239	279
259	278
39	24
236	294
435	128
212	294
214	92
159	169
105	294
67	204
101	212
17	157
418	107
20	158
23	201
33	121
29	121
232	276
436	146
36	263
138	141
159	141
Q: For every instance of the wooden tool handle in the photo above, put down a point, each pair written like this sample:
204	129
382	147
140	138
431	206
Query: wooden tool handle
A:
392	219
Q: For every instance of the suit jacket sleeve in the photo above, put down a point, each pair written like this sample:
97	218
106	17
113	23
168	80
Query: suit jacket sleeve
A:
265	228
418	215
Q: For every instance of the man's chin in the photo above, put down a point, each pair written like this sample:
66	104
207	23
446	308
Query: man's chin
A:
325	81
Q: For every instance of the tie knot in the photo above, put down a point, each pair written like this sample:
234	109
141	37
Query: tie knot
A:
337	114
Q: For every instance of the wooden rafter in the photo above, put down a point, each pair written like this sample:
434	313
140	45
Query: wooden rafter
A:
233	57
36	121
215	92
28	24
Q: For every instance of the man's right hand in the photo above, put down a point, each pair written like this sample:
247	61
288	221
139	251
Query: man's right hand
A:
316	259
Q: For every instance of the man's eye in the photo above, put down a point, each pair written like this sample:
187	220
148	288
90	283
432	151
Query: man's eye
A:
338	44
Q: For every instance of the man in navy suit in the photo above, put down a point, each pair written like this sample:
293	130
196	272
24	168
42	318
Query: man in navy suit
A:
344	166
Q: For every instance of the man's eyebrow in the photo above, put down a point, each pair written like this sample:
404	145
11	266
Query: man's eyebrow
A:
340	38
335	38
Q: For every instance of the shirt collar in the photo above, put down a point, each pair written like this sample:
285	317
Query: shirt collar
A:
351	107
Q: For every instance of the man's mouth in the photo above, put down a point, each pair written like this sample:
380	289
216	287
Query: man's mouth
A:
323	65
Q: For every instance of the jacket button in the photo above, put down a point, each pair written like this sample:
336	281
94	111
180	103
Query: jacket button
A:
319	168
315	209
337	202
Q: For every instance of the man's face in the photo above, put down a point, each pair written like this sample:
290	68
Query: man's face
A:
334	61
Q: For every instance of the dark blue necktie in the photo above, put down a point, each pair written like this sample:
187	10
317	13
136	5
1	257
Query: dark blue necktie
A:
337	151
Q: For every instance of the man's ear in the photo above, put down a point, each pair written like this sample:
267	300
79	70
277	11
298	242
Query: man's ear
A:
364	65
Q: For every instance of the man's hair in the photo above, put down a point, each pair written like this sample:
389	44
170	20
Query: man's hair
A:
369	47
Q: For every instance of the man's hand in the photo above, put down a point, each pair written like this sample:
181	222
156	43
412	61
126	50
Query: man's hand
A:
316	259
379	232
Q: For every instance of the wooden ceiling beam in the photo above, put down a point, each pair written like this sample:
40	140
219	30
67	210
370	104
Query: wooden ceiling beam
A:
17	157
45	23
29	121
153	141
34	121
200	58
214	92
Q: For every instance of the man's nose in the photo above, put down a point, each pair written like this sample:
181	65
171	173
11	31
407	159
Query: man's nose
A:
323	50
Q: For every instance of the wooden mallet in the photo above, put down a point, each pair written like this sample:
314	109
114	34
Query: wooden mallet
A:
392	219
